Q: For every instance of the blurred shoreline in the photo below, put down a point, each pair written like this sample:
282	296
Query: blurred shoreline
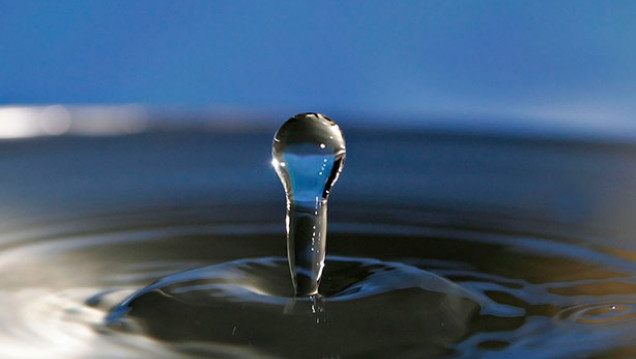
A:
27	121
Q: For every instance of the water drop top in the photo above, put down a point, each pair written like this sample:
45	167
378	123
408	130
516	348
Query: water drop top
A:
308	155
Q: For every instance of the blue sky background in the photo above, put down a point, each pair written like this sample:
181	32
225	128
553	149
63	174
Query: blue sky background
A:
555	63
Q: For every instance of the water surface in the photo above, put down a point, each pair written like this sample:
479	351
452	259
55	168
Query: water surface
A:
540	232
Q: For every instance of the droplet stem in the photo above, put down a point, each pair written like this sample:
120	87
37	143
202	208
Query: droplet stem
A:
306	244
308	154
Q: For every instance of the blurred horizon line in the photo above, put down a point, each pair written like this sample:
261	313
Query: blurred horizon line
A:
35	120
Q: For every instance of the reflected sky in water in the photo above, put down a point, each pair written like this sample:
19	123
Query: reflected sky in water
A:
556	64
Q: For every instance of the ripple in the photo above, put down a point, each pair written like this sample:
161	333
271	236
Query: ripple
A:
250	303
56	324
599	313
513	293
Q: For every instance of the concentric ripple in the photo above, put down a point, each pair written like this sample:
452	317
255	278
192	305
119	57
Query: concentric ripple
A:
512	292
599	313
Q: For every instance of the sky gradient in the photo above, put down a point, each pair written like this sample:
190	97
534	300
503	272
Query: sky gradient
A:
554	62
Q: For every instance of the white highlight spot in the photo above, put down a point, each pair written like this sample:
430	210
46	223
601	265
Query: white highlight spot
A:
55	120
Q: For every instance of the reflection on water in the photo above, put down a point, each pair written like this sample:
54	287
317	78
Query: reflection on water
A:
540	233
532	301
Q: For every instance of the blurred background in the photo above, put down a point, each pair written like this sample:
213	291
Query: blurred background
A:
492	139
565	68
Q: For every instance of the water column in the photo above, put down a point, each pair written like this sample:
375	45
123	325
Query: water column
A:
308	154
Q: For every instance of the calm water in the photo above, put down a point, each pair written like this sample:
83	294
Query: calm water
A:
519	248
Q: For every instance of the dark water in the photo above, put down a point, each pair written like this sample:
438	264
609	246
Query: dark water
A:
526	248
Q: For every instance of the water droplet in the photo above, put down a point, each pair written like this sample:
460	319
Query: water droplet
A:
308	155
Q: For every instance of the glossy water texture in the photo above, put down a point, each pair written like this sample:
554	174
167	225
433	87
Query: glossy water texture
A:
248	305
308	155
528	246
